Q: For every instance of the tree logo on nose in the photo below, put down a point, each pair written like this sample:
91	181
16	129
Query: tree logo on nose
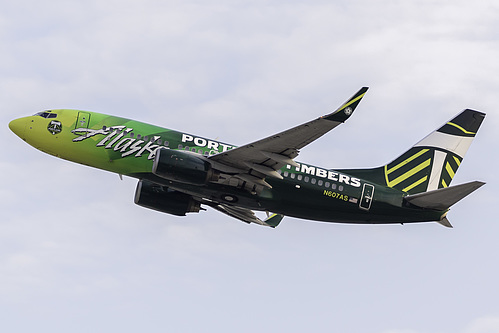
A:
55	127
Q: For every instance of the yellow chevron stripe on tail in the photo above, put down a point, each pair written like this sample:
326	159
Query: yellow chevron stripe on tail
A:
410	172
433	162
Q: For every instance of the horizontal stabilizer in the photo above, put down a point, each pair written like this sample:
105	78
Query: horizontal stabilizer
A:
445	222
443	198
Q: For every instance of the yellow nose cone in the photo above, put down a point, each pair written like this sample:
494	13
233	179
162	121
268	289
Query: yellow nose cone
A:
18	126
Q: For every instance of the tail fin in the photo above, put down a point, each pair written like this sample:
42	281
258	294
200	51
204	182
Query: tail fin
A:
432	162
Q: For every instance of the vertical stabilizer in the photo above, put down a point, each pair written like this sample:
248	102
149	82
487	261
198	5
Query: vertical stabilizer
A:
432	162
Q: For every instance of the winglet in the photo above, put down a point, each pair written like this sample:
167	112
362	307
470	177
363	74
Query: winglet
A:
345	111
274	220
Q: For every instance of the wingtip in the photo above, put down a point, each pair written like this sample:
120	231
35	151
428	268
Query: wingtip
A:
274	220
346	110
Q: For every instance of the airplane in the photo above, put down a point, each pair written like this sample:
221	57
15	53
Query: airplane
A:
180	173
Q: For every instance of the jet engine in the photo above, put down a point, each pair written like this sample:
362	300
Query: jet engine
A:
183	167
161	198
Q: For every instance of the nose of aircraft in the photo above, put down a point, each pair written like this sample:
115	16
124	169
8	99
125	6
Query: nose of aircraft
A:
18	126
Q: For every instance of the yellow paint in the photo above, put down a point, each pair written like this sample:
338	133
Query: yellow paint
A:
410	187
335	195
460	128
351	102
410	173
449	170
457	161
413	157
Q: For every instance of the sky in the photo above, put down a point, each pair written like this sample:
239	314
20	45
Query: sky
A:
76	254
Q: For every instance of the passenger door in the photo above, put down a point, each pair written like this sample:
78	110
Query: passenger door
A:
83	120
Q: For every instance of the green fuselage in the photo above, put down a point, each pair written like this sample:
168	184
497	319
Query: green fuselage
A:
128	147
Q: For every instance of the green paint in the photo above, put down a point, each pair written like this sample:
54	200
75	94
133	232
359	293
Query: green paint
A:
128	147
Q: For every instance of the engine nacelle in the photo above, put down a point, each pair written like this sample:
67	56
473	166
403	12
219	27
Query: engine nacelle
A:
184	167
161	198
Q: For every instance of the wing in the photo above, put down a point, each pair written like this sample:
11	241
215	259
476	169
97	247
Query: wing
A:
248	216
252	163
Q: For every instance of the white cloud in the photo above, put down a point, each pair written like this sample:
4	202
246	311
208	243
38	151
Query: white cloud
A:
81	254
488	324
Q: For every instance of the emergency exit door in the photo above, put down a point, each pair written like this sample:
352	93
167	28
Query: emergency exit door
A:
83	120
367	197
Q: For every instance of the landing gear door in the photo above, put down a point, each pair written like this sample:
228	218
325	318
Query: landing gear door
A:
83	120
367	197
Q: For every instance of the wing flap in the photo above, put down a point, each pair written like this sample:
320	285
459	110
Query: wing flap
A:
264	157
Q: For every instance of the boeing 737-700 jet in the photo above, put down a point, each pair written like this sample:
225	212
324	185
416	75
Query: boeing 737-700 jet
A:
179	173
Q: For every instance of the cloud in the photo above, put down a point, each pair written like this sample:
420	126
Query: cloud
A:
487	324
76	251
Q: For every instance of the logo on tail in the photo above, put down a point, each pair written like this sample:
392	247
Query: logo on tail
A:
432	163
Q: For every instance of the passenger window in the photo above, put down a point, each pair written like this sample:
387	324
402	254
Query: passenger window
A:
320	182
333	186
159	141
307	179
179	147
300	177
293	176
340	188
327	184
286	173
313	181
146	138
166	143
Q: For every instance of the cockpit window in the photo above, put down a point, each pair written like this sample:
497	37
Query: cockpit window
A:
46	114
